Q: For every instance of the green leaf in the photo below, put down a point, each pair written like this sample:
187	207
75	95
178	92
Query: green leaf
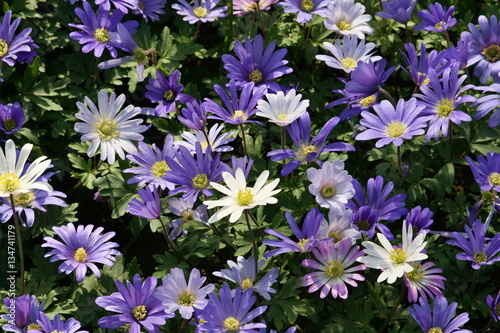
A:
445	177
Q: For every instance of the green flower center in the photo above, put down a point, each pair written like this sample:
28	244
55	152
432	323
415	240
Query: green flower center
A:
480	257
200	181
140	5
343	25
395	129
349	63
169	95
417	273
4	48
489	196
106	128
327	191
497	309
334	268
302	243
245	196
139	312
239	114
491	53
306	150
439	25
9	124
398	256
140	56
247	283
159	169
307	5
335	236
187	215
200	12
255	76
363	225
80	255
34	327
367	101
186	298
494	178
435	330
101	35
9	182
23	199
231	325
445	108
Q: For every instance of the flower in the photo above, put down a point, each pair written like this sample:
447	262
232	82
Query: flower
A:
367	79
419	219
80	248
365	220
437	18
243	273
57	325
194	116
121	5
493	304
305	8
348	18
177	294
476	250
256	63
334	269
212	138
331	185
487	171
489	102
282	109
11	117
109	127
13	46
15	178
347	55
239	197
243	7
150	206
135	304
398	10
423	280
419	67
485	48
202	11
24	311
392	125
439	319
231	313
338	227
394	261
184	209
150	9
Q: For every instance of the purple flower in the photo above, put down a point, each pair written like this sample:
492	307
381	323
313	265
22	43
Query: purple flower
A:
493	303
365	220
477	251
166	92
460	54
256	63
231	312
489	102
13	46
437	18
185	209
149	9
11	117
244	163
440	317
418	67
423	281
338	227
150	206
194	116
487	172
80	248
201	11
305	8
136	304
24	311
367	79
57	325
420	219
121	5
398	10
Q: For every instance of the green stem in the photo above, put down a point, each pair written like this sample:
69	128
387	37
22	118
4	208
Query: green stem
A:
394	308
229	26
400	166
408	37
19	242
261	21
170	244
254	243
474	281
450	137
447	39
244	139
383	91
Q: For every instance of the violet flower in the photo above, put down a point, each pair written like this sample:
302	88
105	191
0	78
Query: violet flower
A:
437	18
398	10
11	117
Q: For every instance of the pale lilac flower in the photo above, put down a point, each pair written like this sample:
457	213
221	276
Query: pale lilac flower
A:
305	8
424	280
213	138
282	109
243	7
348	18
200	11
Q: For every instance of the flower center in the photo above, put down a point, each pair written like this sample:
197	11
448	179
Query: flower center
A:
343	25
489	196
244	196
327	191
34	327
398	256
9	124
349	63
23	199
435	330
367	101
101	35
80	255
417	273
106	128
140	5
282	117
255	76
491	53
160	168
140	56
302	243
306	150
186	298
334	268
307	5
395	129
444	109
426	80
200	12
363	225
497	309
56	331
4	48
200	181
480	257
247	283
239	114
187	215
231	324
9	182
169	95
139	312
439	25
335	236
494	178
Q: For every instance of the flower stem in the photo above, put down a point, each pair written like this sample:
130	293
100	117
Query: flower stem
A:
474	281
408	37
229	26
170	244
261	21
400	167
383	91
19	241
244	139
394	308
254	243
447	39
450	137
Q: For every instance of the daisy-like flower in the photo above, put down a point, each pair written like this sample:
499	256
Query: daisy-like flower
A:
239	197
150	206
177	294
11	45
485	48
367	79
201	10
135	304
194	116
440	318
423	281
487	171
212	139
347	55
15	178
80	248
338	226
243	7
489	102
231	312
394	261
121	5
398	10
24	311
437	18
305	8
57	325
419	219
150	9
418	66
243	273
11	117
256	63
331	185
244	163
109	127
282	109
348	18
493	303
392	125
334	269
184	208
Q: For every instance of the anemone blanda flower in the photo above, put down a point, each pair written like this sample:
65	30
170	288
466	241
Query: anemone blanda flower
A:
334	268
184	208
348	18
347	55
201	10
243	273
487	171
81	248
238	197
392	125
365	220
136	304
423	281
256	63
11	117
418	66
282	109
150	9
194	116
394	261
460	54
493	303
419	219
437	18
305	8
367	79
109	127
121	5
440	318
338	226
150	206
26	311
244	163
12	45
71	325
489	102
212	139
398	10
243	7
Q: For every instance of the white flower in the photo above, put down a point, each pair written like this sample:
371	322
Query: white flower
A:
13	178
282	109
109	128
394	262
338	227
347	18
331	185
216	141
240	197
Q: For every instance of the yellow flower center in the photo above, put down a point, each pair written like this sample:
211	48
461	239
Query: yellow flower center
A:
9	124
417	273
34	327
306	150
200	12
231	325
160	168
200	181
23	199
398	256
444	109
187	215
55	331
395	129
367	101
489	196
327	191
426	80
245	196
439	25
247	283
4	48
480	257
255	76
349	63
335	236
307	5
140	5
140	56
101	35
491	53
302	243
9	182
186	298
106	128
80	255
139	312
435	330
343	25
169	95
334	268
494	178
282	117
239	114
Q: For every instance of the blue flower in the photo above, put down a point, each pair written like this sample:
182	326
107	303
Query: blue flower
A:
398	10
11	117
201	11
437	18
150	206
477	251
